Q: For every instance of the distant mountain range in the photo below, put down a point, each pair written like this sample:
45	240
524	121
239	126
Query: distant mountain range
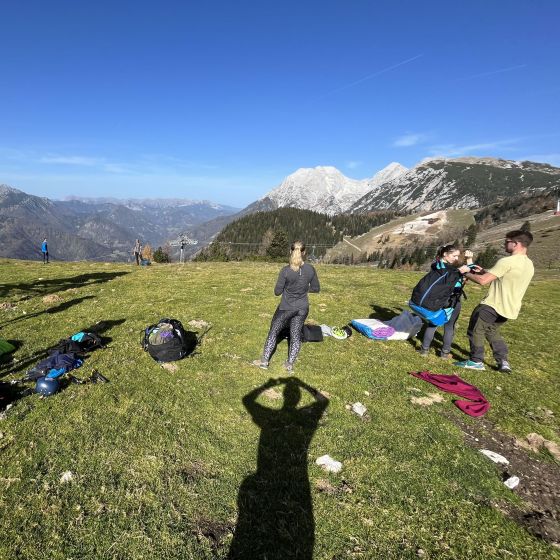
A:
86	228
104	229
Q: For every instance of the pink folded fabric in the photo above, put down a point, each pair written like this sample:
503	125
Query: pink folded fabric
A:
477	405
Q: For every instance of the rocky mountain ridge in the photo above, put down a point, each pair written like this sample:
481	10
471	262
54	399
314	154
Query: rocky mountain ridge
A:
468	182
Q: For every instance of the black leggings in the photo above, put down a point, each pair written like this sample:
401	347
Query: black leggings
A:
281	319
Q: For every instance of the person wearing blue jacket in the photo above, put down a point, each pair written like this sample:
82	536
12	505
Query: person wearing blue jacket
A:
294	282
45	251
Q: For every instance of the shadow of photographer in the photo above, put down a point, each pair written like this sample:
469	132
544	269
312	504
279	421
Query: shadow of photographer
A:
275	512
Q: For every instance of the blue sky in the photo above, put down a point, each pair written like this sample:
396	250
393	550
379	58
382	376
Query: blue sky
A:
221	100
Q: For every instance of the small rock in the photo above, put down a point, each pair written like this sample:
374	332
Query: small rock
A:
329	464
553	448
198	323
420	553
427	401
170	367
366	393
359	409
495	457
66	477
512	482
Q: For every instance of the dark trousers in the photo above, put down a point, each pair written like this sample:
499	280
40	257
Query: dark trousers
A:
448	332
485	324
137	257
45	256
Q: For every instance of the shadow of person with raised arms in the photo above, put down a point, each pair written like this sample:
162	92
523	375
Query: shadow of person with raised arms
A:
275	512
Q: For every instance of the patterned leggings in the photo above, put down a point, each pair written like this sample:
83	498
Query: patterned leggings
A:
295	318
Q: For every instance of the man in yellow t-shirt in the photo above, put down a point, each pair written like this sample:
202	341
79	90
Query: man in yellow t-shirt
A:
509	279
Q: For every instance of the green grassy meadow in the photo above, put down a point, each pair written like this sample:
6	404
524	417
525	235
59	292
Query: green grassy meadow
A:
158	457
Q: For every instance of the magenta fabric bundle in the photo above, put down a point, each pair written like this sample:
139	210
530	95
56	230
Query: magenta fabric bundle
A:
477	405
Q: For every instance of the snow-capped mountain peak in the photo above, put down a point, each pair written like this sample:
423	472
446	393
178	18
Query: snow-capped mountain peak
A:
326	189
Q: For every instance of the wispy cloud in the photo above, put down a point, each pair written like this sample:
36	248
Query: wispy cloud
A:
493	72
411	139
70	160
370	76
142	164
454	150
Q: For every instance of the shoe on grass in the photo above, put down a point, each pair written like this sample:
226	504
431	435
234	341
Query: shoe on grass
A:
469	364
423	352
504	366
260	364
445	355
289	367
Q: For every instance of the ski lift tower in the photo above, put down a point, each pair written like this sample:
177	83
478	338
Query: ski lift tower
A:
181	242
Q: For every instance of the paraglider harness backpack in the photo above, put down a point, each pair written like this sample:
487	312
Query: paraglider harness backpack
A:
434	298
167	341
67	355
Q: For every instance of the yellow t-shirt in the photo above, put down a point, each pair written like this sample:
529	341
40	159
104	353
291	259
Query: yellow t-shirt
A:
513	275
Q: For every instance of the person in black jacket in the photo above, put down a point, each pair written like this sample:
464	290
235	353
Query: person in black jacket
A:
294	282
447	293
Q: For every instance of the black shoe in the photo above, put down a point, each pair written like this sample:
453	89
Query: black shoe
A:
96	377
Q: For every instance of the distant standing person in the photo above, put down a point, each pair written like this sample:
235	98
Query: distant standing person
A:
137	251
294	282
509	279
45	251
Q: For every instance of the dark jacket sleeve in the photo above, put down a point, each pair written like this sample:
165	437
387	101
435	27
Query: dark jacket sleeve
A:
314	286
280	283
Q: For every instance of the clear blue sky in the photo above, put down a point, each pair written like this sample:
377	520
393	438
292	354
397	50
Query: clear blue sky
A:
221	100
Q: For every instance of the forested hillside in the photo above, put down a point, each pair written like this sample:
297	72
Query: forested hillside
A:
270	233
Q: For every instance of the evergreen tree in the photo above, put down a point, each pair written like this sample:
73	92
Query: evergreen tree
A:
279	247
526	226
161	256
488	257
471	235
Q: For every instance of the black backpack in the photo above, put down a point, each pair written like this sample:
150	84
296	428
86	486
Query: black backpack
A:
167	341
437	289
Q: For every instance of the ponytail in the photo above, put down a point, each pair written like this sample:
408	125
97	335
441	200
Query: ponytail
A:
296	255
446	249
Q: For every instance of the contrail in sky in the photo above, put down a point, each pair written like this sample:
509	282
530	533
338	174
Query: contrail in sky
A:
492	72
370	76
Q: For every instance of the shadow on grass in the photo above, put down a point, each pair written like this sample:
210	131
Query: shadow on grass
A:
275	512
26	362
57	309
53	285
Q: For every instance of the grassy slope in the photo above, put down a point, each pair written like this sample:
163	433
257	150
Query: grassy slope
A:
545	227
457	222
157	455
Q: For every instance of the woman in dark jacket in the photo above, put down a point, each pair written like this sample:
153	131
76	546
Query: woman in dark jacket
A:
294	282
447	259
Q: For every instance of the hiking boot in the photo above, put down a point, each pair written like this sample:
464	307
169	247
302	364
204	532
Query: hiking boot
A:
504	366
289	367
445	355
469	364
260	363
423	352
